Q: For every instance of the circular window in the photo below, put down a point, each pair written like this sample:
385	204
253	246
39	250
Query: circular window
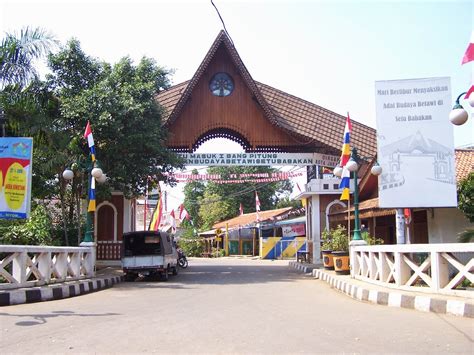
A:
221	84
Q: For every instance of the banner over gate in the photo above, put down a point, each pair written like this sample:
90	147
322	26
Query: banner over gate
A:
15	177
415	143
258	159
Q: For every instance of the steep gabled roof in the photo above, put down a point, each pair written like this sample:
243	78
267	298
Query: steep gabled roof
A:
308	123
221	40
299	117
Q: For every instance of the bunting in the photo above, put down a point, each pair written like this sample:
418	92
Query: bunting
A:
91	206
257	206
156	216
90	140
345	156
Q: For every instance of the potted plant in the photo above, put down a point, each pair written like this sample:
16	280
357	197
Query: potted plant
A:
340	247
326	250
371	240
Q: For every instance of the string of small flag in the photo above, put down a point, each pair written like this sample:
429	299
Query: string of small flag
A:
236	178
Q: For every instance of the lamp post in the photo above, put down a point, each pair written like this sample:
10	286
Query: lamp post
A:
353	166
459	114
93	172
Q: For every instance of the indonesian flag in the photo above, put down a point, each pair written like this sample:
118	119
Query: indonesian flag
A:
241	210
469	55
173	221
183	213
257	206
90	140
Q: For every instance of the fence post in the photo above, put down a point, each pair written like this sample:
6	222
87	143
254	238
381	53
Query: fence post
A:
439	270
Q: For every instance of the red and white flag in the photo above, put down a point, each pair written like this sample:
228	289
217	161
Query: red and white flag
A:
173	220
469	55
183	213
257	206
241	210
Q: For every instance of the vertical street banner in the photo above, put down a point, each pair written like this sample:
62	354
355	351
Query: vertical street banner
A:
415	143
15	177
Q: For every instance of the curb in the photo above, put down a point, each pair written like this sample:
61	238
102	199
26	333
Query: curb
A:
391	298
56	291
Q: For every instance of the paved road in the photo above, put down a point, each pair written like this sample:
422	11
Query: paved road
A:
228	306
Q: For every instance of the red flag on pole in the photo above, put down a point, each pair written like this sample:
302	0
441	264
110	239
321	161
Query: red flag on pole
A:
173	221
469	55
257	206
183	213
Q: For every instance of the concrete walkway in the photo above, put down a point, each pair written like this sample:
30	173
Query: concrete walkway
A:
363	291
104	278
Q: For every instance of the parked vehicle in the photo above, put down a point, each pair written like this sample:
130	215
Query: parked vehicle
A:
148	253
182	261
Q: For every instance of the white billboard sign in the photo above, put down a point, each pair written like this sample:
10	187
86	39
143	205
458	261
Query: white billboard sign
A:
415	143
258	159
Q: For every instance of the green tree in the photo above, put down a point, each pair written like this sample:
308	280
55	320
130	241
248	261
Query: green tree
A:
126	120
214	208
119	101
193	193
466	197
18	51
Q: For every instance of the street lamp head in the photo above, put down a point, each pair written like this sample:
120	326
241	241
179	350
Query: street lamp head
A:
458	116
102	179
352	165
376	169
97	172
68	174
337	171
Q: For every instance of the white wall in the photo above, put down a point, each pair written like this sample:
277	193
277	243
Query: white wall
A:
316	228
445	224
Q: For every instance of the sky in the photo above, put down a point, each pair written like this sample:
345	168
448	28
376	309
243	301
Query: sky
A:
330	53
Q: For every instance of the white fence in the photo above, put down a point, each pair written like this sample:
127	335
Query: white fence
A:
26	266
434	268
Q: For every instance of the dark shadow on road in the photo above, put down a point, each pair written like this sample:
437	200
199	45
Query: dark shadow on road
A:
42	318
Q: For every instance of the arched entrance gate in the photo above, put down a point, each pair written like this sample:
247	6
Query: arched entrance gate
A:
223	101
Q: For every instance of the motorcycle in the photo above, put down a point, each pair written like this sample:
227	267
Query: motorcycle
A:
182	261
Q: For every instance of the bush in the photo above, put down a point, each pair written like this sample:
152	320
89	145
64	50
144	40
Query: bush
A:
340	240
35	230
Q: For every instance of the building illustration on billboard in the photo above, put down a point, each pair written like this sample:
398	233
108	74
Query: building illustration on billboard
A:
415	143
440	156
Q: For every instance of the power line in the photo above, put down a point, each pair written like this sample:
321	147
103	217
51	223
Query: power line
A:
223	24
